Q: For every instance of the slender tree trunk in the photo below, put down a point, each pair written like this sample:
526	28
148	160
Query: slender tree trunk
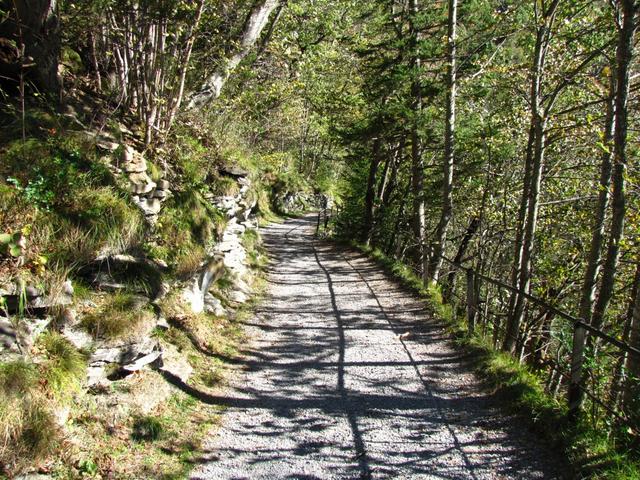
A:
417	163
595	251
533	178
622	363
462	250
449	146
256	21
369	199
624	55
631	393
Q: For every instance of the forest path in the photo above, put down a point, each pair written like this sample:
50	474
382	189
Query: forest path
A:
331	389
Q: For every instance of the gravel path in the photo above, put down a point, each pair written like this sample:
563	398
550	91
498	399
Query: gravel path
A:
334	387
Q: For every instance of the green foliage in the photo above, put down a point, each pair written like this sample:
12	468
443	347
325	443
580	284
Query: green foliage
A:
187	225
10	244
55	168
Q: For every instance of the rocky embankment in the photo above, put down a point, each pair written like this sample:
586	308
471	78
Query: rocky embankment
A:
29	310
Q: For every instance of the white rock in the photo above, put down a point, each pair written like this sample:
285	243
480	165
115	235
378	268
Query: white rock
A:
213	305
96	374
175	363
79	338
238	297
142	362
242	286
194	297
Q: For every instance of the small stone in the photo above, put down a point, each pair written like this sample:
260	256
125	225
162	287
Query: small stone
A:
67	287
162	323
163	185
96	375
8	336
238	297
107	145
142	362
79	338
161	194
213	305
174	363
32	292
140	183
150	206
242	286
133	161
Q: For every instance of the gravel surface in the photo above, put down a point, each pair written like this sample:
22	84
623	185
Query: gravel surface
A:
347	377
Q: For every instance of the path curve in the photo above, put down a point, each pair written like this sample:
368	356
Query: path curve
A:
334	387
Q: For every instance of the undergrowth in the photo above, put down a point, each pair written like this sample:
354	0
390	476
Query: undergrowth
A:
589	452
119	315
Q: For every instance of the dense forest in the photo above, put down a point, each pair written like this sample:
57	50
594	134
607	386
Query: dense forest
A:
485	150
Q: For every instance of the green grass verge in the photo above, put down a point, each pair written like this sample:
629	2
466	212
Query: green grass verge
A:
589	453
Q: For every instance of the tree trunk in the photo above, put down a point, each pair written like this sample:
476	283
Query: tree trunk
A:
462	249
256	22
624	54
175	99
631	393
417	164
533	178
369	200
449	147
595	251
34	25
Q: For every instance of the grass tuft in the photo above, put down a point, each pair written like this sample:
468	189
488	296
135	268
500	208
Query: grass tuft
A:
120	314
28	432
65	366
147	428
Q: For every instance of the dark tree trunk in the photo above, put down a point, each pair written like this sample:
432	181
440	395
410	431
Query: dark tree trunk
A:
369	200
33	24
